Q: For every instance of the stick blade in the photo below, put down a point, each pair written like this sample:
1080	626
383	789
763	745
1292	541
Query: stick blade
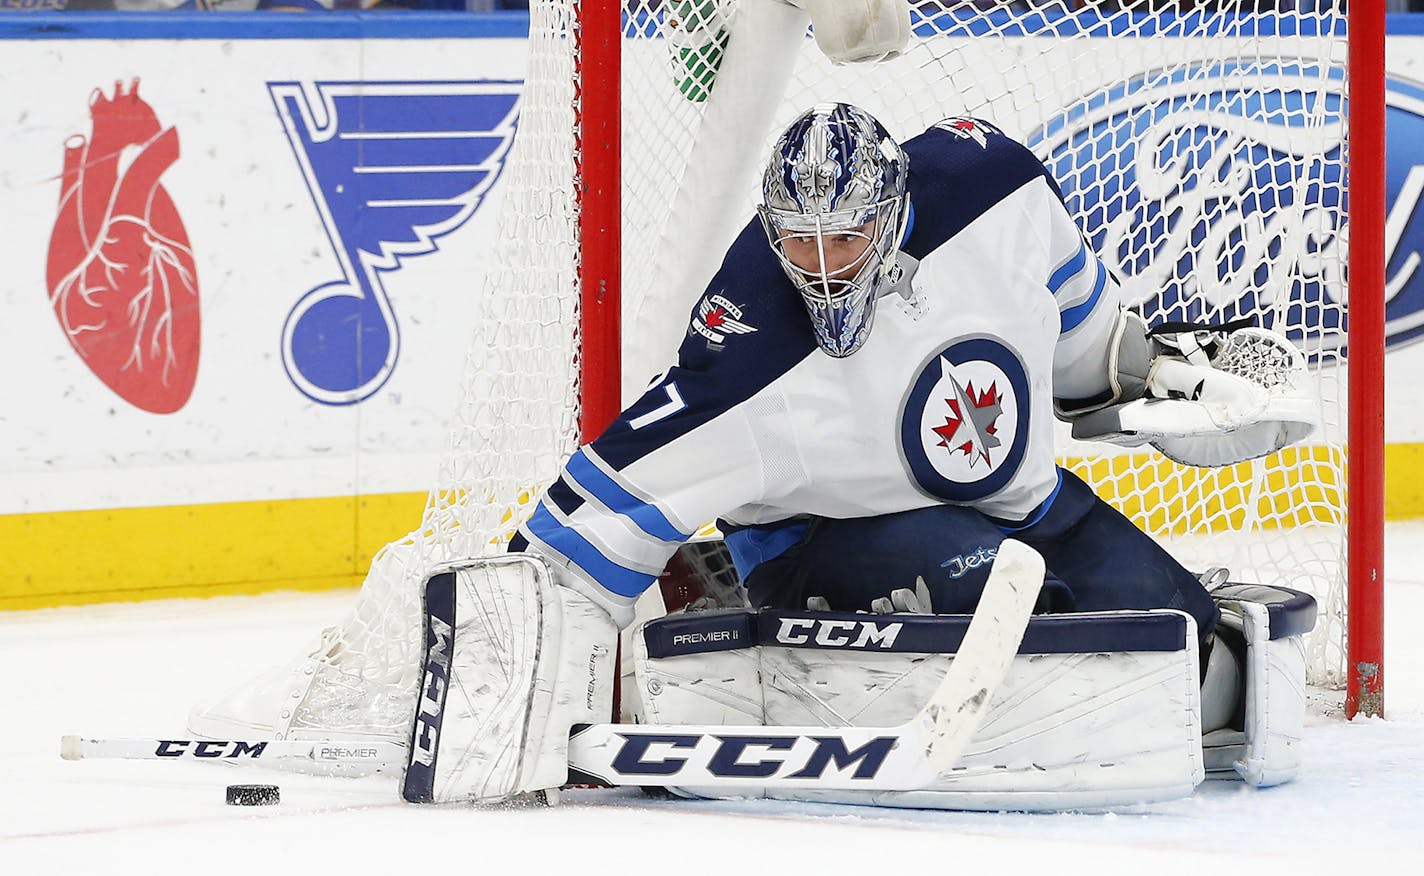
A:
983	659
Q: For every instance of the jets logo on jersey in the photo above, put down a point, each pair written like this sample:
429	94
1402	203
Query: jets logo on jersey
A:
969	129
717	317
970	424
964	422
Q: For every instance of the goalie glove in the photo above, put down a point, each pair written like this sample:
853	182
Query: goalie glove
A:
1214	396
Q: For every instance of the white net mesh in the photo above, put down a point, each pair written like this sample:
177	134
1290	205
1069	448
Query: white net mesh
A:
1201	152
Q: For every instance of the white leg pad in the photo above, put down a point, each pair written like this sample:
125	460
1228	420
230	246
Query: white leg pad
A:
1064	730
1268	752
717	687
512	661
713	688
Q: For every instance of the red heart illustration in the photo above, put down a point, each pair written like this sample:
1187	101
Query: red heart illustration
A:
121	274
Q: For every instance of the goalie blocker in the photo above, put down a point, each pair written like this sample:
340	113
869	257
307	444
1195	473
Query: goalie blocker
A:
1096	709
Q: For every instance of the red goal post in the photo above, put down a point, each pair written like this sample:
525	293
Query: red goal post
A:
1364	686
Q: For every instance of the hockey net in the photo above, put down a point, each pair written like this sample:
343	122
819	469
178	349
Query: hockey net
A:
1201	151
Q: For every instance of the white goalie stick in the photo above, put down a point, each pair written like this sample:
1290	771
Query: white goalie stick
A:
909	757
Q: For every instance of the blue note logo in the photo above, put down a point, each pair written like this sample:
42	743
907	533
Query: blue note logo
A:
1222	187
964	422
391	167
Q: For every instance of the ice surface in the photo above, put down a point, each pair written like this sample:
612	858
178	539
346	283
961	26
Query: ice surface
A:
133	670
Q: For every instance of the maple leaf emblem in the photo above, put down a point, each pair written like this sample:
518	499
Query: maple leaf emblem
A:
967	129
971	428
717	317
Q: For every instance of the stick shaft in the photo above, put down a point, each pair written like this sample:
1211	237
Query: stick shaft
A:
235	751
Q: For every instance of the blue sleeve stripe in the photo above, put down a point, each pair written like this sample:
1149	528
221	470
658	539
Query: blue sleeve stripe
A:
581	552
1068	269
1074	316
618	500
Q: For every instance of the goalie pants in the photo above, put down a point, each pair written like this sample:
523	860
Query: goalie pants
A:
1097	560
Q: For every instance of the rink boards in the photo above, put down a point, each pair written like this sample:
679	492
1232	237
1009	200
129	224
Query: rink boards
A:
262	444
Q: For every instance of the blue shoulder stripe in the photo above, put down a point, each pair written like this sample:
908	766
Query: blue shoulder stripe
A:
605	489
1074	316
582	553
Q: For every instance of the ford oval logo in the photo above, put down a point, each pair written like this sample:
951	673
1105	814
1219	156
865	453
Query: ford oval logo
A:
1217	191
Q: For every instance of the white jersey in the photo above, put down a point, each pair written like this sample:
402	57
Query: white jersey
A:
950	400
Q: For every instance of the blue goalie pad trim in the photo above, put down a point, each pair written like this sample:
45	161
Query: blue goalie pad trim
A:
418	785
1162	630
1291	612
1085	633
700	632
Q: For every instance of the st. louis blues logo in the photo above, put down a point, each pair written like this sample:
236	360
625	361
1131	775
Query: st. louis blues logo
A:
716	318
391	167
964	424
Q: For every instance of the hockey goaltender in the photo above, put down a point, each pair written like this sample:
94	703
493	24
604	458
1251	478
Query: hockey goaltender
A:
865	402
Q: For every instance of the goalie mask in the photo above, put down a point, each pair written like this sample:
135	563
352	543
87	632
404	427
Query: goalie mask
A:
834	206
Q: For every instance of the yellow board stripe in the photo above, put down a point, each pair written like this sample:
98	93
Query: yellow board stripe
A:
80	557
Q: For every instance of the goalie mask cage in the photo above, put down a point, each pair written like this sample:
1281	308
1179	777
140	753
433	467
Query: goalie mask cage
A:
1206	153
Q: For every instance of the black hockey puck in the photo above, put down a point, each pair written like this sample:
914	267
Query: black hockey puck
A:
253	795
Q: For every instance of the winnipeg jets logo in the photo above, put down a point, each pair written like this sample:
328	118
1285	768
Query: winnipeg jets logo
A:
964	424
969	129
717	317
969	426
